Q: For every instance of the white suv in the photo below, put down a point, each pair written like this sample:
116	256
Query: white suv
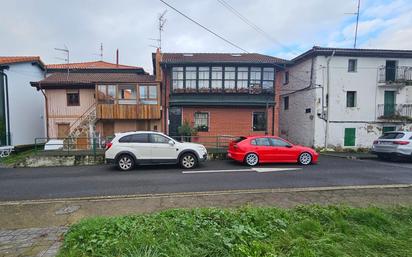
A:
147	147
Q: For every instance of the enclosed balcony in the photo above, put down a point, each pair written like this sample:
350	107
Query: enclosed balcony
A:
395	75
395	111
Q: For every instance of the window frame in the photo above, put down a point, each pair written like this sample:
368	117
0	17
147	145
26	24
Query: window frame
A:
190	70
148	99
151	135
178	70
206	129
212	88
354	67
270	80
120	100
72	92
202	89
254	87
233	80
133	142
286	77
264	127
243	70
286	103
351	104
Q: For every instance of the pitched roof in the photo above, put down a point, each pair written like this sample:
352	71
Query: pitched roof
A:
179	58
65	80
91	65
20	59
353	52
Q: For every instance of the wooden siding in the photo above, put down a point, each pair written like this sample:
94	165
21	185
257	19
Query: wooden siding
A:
57	103
128	111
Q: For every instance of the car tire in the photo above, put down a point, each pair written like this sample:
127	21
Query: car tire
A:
188	161
251	159
305	158
125	162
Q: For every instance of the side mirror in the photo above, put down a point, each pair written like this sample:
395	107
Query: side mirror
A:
171	142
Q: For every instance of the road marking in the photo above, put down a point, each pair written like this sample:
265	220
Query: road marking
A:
274	169
213	171
196	194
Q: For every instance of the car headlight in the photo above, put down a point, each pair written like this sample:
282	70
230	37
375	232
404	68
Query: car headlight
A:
202	148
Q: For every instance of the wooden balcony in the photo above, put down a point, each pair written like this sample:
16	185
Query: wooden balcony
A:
128	111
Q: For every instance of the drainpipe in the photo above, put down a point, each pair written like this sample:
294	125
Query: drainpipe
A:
47	110
328	93
7	107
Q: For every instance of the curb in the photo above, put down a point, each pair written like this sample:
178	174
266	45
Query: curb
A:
350	157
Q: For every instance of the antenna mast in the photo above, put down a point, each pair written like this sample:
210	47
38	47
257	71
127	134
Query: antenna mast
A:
67	59
357	23
162	22
101	51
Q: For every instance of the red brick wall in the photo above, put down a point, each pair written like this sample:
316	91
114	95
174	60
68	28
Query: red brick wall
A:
234	121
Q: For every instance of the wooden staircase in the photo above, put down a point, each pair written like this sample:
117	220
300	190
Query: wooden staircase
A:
81	130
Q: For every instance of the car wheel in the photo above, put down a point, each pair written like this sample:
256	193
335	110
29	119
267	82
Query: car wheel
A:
252	159
188	161
305	158
125	162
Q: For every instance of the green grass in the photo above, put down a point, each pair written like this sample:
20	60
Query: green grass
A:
16	157
302	231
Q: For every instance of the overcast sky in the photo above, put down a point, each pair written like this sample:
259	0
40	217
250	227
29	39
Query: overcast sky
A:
36	27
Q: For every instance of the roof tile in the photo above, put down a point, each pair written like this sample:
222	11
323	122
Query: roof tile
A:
90	65
220	58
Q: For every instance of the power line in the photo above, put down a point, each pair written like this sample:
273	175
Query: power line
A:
253	25
205	28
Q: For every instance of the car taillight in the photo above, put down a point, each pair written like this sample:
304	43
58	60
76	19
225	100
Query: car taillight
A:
108	145
400	142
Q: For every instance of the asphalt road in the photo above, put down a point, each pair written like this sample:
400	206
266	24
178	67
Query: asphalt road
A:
64	182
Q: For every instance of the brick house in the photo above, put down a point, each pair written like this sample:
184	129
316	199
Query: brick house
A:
219	93
99	99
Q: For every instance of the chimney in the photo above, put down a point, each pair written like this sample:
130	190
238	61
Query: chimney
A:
158	59
117	57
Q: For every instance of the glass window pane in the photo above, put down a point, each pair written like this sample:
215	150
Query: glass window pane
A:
229	84
143	92
263	141
158	139
216	72
268	73
101	92
202	121
259	121
278	142
152	92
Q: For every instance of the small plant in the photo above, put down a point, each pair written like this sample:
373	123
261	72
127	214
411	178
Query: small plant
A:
186	131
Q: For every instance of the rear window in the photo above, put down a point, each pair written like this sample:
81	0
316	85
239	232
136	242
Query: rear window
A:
135	138
239	139
392	135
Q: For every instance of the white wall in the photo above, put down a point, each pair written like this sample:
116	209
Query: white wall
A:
26	103
363	116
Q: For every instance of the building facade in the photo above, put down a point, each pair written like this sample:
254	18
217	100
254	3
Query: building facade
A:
346	98
21	108
219	94
98	99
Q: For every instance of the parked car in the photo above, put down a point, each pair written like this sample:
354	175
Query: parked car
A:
253	150
393	144
146	147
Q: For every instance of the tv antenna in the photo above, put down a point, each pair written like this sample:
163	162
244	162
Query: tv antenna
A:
67	59
357	24
101	52
162	22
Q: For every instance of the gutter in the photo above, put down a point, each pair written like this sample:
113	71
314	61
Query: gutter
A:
7	107
328	98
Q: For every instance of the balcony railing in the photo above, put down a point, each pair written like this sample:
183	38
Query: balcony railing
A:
399	74
253	90
395	111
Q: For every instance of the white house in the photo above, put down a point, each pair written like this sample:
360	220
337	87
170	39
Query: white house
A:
335	97
21	107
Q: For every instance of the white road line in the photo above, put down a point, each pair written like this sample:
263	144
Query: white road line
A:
274	169
213	171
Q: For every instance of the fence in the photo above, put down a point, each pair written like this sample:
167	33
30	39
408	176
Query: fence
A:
80	145
212	143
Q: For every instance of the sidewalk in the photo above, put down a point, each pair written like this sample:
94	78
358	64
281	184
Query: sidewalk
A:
35	228
349	155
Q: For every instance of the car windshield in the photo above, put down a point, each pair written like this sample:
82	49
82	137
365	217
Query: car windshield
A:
392	135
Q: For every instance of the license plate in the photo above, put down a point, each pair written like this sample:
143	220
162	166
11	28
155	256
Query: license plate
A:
385	142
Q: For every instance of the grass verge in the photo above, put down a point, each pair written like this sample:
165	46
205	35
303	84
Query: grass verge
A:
301	231
16	157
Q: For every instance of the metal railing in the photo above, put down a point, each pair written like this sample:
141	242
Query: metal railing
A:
399	74
212	143
64	146
394	111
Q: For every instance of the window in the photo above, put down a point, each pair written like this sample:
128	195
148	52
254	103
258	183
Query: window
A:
255	84
177	79
259	121
202	121
352	65
204	79
286	78
148	94
73	98
230	79
351	99
308	110
263	141
388	128
106	94
190	79
127	94
350	137
217	79
278	142
286	103
268	78
242	79
158	139
135	138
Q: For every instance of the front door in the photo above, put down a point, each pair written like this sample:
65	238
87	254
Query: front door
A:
63	130
161	149
390	71
175	120
262	147
389	104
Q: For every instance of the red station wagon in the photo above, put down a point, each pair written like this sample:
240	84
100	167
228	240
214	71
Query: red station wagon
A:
253	150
